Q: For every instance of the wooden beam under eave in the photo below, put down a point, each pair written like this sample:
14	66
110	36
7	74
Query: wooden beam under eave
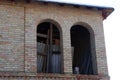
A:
28	1
76	6
104	14
12	0
61	4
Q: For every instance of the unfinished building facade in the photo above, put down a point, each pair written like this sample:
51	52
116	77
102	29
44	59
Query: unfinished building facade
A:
44	40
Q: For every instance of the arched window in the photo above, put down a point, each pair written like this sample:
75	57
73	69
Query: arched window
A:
83	56
48	48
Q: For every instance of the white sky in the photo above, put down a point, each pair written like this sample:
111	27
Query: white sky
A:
91	2
112	37
112	34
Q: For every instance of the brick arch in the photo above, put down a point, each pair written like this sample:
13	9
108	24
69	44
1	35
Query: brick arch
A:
92	43
56	26
53	22
87	26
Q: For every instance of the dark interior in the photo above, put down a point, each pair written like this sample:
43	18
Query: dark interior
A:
82	58
48	48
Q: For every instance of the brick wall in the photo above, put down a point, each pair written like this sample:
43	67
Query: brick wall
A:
12	38
18	24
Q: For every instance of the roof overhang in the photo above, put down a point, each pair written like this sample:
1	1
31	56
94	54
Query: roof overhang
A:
106	11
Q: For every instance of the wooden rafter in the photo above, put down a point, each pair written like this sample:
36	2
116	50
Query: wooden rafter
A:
28	1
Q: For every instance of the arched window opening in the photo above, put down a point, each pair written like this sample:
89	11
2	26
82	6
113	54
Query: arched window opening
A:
48	48
81	50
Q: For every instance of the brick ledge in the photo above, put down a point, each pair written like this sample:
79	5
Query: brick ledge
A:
48	76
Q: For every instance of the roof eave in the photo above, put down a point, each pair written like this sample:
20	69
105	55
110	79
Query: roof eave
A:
106	11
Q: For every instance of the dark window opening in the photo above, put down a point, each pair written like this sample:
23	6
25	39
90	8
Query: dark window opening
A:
81	50
48	48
